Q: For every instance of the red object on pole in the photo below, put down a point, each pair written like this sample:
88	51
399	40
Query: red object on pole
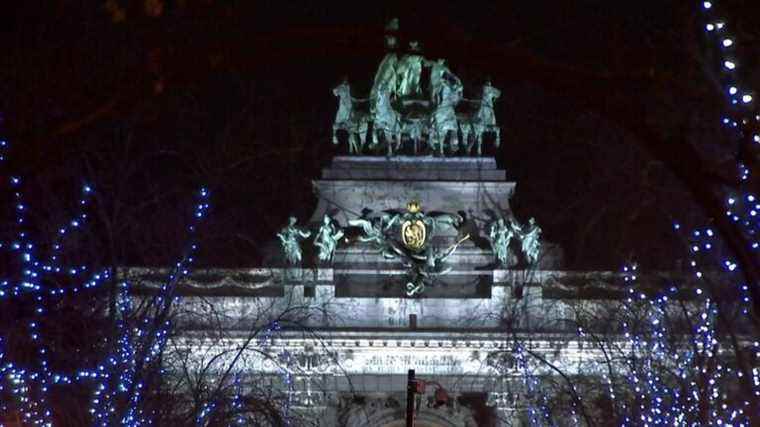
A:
441	397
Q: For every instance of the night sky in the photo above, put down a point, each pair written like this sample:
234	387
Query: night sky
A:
151	100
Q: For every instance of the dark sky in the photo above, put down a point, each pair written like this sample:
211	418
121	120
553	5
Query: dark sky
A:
203	84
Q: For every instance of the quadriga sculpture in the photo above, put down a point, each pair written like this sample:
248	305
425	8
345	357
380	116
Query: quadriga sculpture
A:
414	98
350	119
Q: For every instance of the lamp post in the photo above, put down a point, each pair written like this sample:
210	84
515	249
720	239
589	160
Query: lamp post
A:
415	386
411	389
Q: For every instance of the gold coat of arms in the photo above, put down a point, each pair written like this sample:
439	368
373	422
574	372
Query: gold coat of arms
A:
414	234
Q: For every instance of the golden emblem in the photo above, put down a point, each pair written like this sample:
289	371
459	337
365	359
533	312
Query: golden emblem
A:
414	234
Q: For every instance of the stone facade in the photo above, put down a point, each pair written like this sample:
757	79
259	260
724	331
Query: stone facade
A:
346	362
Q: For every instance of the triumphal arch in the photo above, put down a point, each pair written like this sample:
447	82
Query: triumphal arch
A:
413	259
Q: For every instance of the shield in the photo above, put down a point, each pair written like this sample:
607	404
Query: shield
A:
414	234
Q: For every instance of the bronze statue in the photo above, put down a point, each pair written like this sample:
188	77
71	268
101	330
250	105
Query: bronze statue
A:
349	119
438	69
444	119
327	239
483	121
408	72
290	237
385	121
399	106
500	235
412	247
531	243
385	76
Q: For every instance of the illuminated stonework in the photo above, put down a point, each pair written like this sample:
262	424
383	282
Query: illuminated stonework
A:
420	264
358	332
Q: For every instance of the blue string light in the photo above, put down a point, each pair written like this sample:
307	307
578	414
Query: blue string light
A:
121	374
141	343
217	403
674	378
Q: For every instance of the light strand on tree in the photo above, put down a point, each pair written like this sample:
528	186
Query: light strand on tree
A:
137	344
29	284
141	345
670	379
265	337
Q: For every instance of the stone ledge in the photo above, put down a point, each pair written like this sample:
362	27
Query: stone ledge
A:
416	162
421	168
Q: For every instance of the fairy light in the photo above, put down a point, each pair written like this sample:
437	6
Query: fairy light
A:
659	380
33	271
237	402
120	375
141	345
657	401
666	383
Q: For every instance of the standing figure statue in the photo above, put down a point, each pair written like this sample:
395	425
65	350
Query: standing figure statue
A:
290	237
349	119
500	235
483	121
531	243
408	72
385	77
438	69
327	239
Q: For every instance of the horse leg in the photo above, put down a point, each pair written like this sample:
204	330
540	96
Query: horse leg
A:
472	142
362	138
356	146
454	140
335	136
465	140
498	137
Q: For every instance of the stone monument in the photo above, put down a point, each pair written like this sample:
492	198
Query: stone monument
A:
415	260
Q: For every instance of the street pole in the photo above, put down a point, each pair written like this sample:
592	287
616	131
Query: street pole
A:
411	389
